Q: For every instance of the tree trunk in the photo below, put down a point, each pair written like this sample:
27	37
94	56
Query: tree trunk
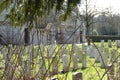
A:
88	35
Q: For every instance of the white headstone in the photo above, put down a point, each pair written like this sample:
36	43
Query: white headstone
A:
84	61
84	47
75	61
74	48
65	59
117	43
91	51
98	52
51	50
102	43
103	60
80	55
119	70
109	43
55	65
113	55
77	76
106	50
42	67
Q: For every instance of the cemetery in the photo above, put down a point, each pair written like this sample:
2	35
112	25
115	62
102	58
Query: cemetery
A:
98	61
59	40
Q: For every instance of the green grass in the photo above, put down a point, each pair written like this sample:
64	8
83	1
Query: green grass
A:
92	72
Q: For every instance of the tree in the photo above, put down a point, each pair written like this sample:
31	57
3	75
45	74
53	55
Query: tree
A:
30	11
88	13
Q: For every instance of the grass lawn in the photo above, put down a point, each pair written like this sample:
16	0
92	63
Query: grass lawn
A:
33	56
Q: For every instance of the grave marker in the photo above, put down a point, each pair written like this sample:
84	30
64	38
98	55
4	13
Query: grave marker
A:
109	43
113	55
102	43
103	60
77	76
111	72
75	61
98	52
83	60
65	60
55	65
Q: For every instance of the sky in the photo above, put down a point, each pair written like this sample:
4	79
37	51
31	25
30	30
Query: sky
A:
113	5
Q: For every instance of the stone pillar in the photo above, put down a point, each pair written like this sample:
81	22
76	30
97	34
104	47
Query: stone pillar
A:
77	76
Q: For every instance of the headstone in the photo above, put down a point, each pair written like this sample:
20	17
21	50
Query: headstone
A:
75	61
84	61
77	76
119	70
65	60
42	67
74	48
55	65
80	56
102	43
118	43
111	69
111	72
109	43
51	51
106	50
103	60
54	79
98	52
84	47
113	55
90	51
